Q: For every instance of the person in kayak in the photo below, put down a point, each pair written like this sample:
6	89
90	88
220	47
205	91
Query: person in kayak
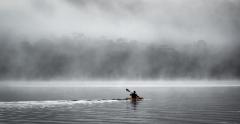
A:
134	95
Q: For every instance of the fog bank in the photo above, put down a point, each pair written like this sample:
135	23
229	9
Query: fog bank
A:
134	39
81	57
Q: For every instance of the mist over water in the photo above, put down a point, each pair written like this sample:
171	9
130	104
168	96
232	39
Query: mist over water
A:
119	40
80	57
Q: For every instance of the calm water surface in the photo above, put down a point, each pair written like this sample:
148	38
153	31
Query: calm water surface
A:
179	105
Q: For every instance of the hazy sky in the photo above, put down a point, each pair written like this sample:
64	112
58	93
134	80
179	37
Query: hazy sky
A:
216	21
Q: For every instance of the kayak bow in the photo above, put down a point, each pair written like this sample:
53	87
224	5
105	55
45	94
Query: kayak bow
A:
135	99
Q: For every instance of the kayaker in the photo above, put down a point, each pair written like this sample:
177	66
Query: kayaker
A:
134	95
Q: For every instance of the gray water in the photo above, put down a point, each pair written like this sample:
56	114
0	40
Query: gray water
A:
165	105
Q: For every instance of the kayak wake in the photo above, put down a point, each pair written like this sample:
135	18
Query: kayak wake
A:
29	104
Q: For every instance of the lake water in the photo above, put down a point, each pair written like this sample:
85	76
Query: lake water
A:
164	105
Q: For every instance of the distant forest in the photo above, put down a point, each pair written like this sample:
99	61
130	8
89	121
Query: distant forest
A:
81	57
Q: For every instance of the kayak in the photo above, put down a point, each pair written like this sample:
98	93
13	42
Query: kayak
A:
135	99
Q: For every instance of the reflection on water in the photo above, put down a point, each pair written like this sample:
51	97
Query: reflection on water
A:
134	104
162	105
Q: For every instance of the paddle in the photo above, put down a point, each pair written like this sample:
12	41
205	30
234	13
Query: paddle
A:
128	90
